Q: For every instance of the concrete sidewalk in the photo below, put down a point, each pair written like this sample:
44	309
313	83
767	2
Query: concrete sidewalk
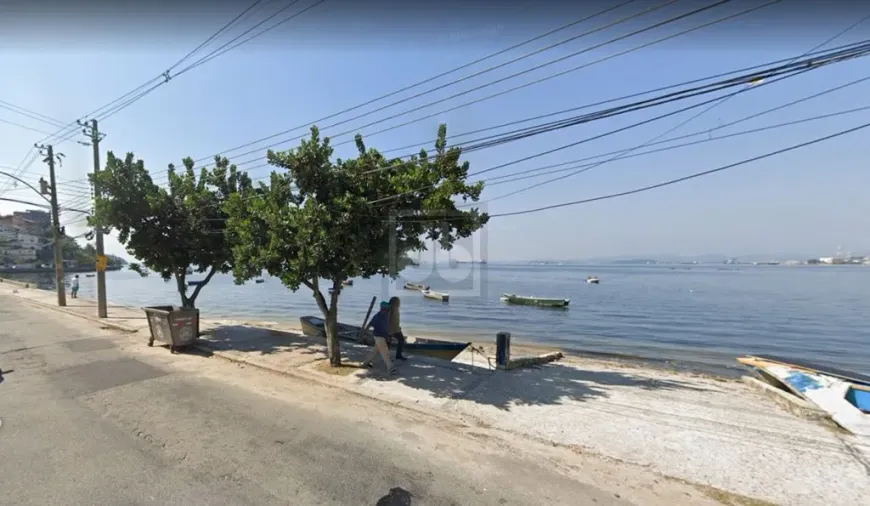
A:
704	430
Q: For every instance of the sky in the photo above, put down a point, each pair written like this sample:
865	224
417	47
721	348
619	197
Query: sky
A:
65	64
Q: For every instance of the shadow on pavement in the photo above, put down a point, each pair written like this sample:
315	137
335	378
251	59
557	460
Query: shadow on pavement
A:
263	341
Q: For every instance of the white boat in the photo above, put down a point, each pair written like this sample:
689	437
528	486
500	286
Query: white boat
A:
429	294
592	280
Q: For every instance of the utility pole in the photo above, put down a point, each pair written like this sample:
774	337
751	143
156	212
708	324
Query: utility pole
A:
55	229
93	132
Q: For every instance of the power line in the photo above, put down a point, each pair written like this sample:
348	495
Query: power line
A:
214	35
798	67
537	172
683	123
162	79
125	101
215	53
24	127
685	178
30	114
538	81
725	18
456	69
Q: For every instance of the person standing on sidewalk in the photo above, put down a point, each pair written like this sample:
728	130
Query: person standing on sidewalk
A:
395	328
74	289
380	323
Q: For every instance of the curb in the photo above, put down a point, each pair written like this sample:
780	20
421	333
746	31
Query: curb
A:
116	326
19	284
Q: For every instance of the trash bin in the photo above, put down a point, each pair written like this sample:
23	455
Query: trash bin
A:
172	325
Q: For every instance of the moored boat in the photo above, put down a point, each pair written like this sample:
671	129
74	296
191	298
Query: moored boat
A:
259	280
534	301
429	294
347	282
313	326
415	286
194	283
592	280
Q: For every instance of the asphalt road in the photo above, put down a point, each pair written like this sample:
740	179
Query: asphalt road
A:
92	417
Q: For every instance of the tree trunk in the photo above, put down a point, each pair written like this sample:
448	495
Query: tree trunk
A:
181	285
330	315
333	350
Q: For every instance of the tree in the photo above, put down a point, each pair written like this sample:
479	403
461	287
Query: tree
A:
321	220
170	229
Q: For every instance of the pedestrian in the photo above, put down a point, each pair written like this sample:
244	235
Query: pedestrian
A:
74	289
395	329
380	324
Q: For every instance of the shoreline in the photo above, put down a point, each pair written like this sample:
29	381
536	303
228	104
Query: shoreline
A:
519	346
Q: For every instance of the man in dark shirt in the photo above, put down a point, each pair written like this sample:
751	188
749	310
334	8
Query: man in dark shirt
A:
380	324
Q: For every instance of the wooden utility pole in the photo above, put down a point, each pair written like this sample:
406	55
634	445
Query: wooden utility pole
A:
93	132
55	229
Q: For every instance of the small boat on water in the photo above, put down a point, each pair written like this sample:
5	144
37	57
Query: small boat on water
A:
429	294
534	301
313	326
259	280
347	282
90	275
415	286
592	280
194	283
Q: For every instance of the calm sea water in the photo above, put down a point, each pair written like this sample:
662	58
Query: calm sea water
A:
706	314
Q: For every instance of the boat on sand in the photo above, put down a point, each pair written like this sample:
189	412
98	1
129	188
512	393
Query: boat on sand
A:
843	395
313	326
534	301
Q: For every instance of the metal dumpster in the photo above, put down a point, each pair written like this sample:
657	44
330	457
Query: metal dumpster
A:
172	325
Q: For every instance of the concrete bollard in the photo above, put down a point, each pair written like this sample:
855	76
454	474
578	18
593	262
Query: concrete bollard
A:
502	349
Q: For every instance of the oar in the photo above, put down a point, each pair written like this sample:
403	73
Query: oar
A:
362	329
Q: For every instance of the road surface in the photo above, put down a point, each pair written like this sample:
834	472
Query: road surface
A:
95	417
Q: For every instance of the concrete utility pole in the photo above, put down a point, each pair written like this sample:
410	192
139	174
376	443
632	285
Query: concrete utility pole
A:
55	229
93	132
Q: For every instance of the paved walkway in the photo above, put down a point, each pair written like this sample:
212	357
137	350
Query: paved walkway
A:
708	431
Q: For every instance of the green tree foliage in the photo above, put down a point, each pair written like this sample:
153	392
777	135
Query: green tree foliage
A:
318	222
170	229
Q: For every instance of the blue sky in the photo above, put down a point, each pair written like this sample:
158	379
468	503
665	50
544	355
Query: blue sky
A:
806	202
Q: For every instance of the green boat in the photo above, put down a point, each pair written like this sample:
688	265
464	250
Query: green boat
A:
534	301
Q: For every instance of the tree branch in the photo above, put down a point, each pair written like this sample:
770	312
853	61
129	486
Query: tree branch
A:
202	283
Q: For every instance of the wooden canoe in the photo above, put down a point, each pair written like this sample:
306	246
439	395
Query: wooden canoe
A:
313	326
429	294
534	301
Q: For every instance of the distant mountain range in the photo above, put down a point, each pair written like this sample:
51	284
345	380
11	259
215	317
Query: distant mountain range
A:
703	259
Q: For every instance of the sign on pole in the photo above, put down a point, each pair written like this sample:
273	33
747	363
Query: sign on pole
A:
102	263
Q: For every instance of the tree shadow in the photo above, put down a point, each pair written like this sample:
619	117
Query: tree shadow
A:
260	340
550	384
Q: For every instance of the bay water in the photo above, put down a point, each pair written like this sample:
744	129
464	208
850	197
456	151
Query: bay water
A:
707	314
